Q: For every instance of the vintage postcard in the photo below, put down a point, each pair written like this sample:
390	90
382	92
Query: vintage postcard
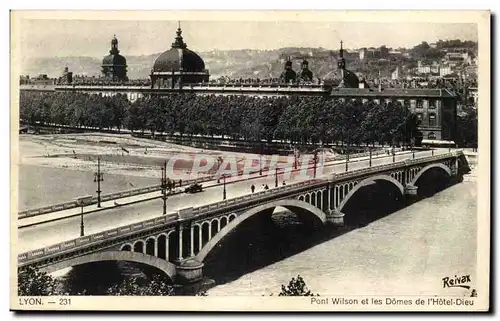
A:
250	161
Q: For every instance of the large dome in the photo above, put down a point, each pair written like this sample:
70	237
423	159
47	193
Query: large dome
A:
175	58
179	57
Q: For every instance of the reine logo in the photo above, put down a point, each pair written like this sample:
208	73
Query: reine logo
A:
456	282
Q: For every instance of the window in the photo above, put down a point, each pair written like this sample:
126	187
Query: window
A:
431	135
432	104
406	103
420	103
432	120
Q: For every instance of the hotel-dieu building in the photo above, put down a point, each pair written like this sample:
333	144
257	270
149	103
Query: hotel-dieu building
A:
180	69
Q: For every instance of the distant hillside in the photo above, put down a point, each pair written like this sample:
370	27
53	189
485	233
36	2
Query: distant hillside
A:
231	63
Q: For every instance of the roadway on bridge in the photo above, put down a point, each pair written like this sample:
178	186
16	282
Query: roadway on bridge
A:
38	236
127	200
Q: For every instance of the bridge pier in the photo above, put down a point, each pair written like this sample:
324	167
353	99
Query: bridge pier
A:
335	217
189	271
189	278
457	176
411	193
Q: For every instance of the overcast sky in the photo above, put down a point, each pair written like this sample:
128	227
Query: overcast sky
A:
49	38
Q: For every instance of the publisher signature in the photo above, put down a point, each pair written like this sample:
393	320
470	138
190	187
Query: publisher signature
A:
457	282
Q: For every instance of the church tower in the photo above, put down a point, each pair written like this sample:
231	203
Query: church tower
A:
306	74
288	75
341	64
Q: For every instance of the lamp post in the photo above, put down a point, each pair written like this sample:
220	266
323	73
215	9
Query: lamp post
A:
370	163
276	178
164	187
224	190
219	162
295	154
315	162
83	201
347	154
98	177
260	159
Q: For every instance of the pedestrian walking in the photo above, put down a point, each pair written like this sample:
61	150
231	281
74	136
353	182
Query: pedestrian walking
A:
252	188
180	182
266	187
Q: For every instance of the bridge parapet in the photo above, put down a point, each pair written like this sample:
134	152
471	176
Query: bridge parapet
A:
380	168
154	223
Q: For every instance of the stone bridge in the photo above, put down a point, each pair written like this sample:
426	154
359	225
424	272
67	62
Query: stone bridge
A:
179	242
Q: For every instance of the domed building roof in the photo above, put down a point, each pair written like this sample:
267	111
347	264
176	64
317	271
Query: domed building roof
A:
335	79
114	58
179	57
341	77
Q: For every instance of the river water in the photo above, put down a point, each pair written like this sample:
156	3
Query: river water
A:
397	251
405	253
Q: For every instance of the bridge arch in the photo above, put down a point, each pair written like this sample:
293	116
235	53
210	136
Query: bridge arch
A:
126	247
162	265
426	168
139	246
291	204
368	180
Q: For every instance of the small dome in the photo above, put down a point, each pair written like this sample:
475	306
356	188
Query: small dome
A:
115	60
334	79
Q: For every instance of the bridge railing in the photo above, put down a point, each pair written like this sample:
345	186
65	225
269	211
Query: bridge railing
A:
173	217
106	197
147	224
379	168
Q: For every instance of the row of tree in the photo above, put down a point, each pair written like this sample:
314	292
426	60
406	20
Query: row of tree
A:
293	118
32	282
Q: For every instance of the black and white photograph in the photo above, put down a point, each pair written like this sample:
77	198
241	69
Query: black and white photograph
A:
227	161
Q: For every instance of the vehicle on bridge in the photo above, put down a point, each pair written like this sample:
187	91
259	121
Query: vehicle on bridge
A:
193	188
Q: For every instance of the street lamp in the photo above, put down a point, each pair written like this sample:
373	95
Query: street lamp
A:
260	159
315	161
295	156
83	201
224	190
276	178
370	157
98	177
164	187
219	162
347	154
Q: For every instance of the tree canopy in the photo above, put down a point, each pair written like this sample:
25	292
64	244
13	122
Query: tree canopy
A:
291	118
